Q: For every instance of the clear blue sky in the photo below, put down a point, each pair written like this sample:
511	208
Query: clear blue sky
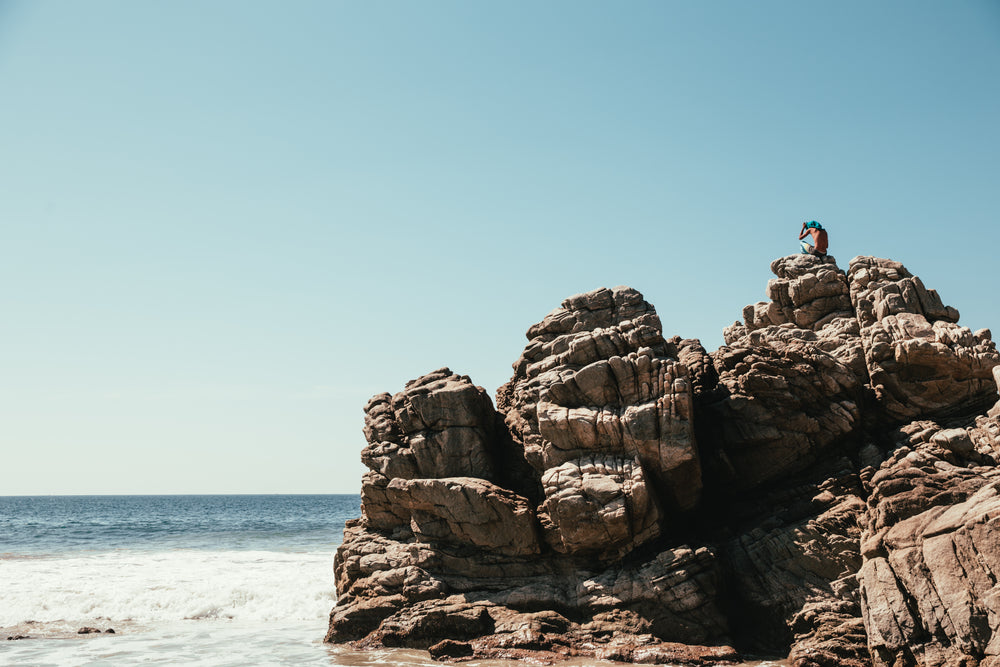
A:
224	225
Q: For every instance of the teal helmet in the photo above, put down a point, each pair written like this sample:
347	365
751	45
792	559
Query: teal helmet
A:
813	225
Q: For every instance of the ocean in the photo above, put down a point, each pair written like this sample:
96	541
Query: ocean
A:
182	580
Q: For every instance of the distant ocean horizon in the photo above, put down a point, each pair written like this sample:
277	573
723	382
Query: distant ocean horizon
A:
220	580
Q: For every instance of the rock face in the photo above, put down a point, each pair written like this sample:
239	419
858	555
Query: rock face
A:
919	360
931	547
782	405
824	486
598	506
598	377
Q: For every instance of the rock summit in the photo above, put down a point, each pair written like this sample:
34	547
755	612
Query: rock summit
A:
824	486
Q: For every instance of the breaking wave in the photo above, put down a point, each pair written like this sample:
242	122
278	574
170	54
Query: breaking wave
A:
152	587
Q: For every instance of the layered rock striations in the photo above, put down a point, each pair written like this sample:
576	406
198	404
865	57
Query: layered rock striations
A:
824	485
931	548
920	362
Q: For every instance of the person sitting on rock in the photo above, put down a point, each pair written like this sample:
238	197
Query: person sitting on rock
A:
818	236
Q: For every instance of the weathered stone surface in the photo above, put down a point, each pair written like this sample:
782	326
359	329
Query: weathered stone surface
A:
585	517
669	653
426	623
379	509
882	323
995	410
808	292
791	565
598	377
604	417
920	362
598	505
386	588
450	650
889	336
792	376
440	425
782	406
376	577
676	592
699	363
469	512
839	337
930	546
644	411
535	638
829	633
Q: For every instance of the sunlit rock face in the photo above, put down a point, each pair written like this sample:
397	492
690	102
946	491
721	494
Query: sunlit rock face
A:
920	362
598	377
931	547
598	505
824	486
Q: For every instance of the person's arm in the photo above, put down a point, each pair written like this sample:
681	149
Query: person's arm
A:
804	231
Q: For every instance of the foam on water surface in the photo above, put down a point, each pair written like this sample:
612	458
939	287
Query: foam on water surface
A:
190	607
141	588
204	581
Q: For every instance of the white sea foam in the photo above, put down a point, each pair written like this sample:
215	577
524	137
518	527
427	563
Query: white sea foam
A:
154	587
190	607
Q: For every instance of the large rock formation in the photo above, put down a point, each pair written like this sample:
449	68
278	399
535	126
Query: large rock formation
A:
823	486
931	548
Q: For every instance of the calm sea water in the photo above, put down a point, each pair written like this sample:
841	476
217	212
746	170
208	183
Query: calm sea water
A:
183	580
46	525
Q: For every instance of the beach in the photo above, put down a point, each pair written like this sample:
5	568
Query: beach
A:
194	580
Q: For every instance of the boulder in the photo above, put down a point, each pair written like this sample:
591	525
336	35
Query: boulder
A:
920	362
808	292
440	425
599	506
637	406
781	405
469	512
597	376
427	623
